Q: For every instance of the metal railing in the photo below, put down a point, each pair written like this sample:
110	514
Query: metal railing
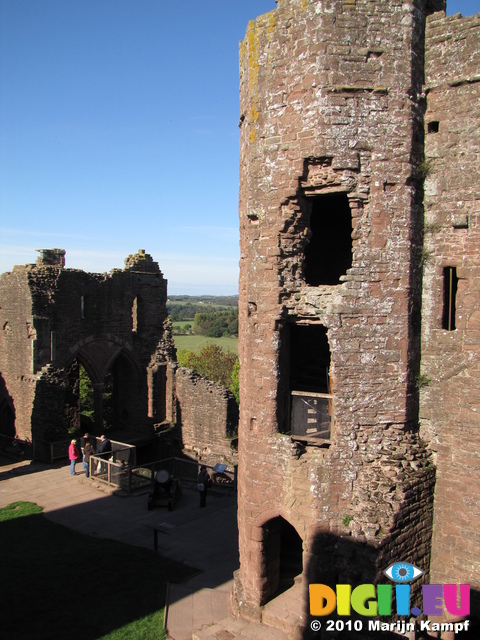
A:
113	471
50	452
15	447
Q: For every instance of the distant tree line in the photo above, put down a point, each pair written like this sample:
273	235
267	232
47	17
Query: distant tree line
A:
185	307
216	324
219	301
187	311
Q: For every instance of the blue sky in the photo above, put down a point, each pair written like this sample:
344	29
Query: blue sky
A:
118	131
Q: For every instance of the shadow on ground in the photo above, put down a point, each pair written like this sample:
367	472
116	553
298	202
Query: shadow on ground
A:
92	584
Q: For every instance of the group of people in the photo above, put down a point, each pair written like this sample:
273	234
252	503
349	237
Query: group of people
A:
77	452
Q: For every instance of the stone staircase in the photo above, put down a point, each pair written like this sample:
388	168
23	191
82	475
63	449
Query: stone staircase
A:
282	619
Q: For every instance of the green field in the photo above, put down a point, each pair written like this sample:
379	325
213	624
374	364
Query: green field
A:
196	343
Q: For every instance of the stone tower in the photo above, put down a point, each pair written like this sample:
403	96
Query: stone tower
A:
336	480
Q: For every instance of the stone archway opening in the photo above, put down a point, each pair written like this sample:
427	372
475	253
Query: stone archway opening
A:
86	400
112	403
283	554
105	392
121	395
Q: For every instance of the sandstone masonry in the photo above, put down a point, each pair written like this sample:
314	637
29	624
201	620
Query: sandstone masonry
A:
208	414
53	319
359	205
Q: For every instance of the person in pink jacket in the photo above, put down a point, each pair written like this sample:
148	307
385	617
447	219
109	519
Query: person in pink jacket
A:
73	456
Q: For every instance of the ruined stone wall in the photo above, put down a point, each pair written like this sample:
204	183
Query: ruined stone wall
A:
450	409
55	319
17	346
208	414
331	110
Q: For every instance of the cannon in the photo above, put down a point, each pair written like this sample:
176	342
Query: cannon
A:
166	491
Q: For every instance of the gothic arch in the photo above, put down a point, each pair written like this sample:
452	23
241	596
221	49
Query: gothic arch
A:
282	556
100	357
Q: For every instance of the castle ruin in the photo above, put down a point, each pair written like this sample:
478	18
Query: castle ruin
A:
55	319
116	326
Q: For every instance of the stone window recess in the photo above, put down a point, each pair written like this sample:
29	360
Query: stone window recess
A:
305	374
328	253
135	315
42	347
450	285
433	126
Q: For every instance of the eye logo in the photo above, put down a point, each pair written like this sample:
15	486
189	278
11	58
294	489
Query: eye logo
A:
403	572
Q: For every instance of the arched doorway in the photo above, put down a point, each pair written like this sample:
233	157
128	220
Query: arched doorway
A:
7	411
283	555
7	420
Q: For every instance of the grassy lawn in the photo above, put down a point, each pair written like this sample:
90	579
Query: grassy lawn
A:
57	583
196	343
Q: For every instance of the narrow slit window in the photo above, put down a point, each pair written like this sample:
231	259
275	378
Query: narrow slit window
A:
82	307
450	284
135	315
53	345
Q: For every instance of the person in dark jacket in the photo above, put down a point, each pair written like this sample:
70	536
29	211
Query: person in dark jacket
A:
88	451
203	482
105	445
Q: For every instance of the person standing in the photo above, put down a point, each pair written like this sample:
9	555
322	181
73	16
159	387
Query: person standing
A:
202	484
105	445
88	451
73	456
104	448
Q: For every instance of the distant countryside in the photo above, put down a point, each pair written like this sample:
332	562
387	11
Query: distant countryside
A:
199	321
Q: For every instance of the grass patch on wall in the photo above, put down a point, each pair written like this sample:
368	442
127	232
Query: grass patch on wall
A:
58	583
